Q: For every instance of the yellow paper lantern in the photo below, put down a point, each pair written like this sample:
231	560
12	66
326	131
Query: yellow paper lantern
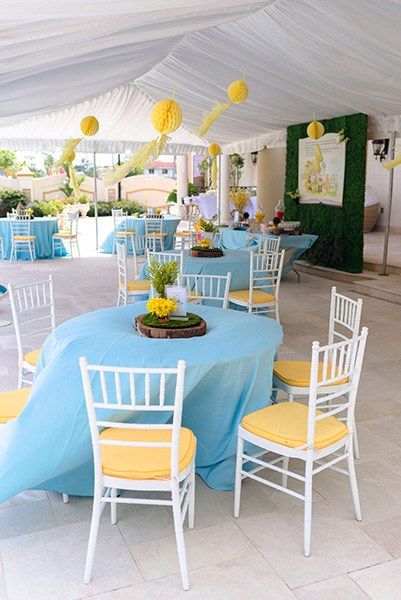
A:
237	91
315	130
166	116
89	125
214	150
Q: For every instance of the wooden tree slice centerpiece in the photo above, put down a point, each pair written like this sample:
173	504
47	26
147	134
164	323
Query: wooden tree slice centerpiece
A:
150	326
200	252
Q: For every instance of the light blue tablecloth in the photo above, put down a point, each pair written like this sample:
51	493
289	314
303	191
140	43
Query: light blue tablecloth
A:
229	374
170	225
295	245
42	228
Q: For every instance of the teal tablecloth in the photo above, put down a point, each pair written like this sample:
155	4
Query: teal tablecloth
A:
294	245
170	225
229	374
42	228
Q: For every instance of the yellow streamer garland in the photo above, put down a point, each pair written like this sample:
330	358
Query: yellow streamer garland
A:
89	126
166	117
74	181
237	93
214	150
391	164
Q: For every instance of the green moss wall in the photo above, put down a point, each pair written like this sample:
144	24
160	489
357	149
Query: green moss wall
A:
340	230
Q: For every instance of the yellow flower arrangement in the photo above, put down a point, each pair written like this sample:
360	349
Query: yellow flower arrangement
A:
239	198
259	216
205	243
161	307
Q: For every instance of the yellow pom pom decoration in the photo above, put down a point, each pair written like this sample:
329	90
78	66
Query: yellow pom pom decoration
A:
214	150
315	130
166	116
89	125
237	91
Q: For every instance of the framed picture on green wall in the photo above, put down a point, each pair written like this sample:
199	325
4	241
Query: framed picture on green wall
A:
321	168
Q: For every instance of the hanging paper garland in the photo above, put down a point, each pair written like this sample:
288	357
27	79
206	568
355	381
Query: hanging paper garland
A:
166	117
214	150
89	126
237	93
391	164
73	181
315	130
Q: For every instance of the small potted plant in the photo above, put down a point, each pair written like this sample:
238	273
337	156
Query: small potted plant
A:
162	274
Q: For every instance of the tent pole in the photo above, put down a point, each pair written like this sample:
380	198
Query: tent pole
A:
95	199
389	205
119	183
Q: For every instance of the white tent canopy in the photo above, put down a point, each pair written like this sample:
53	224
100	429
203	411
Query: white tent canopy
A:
298	57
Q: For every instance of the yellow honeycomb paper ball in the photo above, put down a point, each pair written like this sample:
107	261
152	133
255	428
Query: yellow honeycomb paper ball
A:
166	116
237	91
214	150
89	125
315	130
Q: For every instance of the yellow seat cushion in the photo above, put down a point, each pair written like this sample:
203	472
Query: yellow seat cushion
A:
32	357
12	403
192	295
137	285
132	462
64	234
157	234
258	296
124	233
23	238
297	372
181	234
286	424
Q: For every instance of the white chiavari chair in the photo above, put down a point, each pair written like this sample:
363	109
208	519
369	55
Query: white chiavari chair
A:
313	433
269	243
21	238
292	376
262	296
122	231
137	457
207	288
130	288
185	238
68	234
154	231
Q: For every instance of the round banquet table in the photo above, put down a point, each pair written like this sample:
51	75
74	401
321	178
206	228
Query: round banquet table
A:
137	224
228	375
41	227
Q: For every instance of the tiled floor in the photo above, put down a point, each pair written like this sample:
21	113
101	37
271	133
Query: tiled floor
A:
373	248
258	556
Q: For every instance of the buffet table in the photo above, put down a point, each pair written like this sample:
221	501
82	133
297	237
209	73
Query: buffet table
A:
229	374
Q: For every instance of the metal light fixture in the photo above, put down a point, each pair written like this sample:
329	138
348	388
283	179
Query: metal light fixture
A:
380	148
254	157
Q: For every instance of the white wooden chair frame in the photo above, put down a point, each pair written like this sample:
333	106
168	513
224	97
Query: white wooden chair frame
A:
181	485
27	299
341	360
185	238
207	287
269	243
154	231
70	226
1	247
138	243
121	231
265	271
344	323
20	225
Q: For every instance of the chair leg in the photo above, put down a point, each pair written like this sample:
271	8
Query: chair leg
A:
113	506
238	476
356	444
179	536
353	483
284	476
20	377
96	514
191	504
308	505
66	498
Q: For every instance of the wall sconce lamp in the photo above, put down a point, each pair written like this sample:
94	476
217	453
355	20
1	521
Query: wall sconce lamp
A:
254	157
380	148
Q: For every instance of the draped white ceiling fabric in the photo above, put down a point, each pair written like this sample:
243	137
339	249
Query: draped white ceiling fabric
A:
299	57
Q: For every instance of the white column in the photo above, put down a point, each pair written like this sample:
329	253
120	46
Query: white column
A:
270	175
224	188
182	176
